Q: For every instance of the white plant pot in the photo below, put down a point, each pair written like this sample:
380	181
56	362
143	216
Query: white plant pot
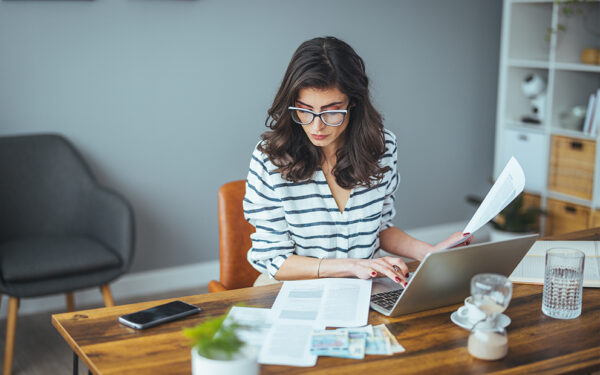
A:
243	364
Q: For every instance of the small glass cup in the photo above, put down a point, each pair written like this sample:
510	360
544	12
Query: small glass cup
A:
563	283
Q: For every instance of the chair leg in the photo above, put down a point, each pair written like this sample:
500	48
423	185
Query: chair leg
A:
70	301
11	327
107	295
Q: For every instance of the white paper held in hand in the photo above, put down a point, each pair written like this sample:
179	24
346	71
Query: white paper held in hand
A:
507	187
509	184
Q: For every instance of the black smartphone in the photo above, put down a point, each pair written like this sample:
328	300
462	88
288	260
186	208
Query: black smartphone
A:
158	314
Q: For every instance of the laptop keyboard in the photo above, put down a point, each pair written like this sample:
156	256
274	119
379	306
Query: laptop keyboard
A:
387	300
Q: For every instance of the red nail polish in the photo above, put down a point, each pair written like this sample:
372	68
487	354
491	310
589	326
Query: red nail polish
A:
466	234
373	273
397	279
405	284
406	275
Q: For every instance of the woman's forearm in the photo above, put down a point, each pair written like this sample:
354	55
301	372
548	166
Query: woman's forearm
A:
298	267
392	240
396	241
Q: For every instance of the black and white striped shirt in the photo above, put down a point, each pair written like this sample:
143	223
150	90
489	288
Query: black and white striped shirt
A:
303	218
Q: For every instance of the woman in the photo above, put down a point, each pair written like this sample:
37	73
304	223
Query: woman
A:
321	184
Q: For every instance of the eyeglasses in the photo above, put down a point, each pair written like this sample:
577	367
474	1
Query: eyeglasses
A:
305	116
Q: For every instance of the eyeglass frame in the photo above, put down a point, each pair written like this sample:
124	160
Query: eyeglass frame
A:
315	114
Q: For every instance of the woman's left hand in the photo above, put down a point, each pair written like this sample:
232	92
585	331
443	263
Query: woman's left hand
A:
454	237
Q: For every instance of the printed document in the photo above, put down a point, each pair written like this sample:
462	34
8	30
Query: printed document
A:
306	305
288	343
335	302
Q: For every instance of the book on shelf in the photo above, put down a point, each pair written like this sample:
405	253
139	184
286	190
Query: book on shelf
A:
589	116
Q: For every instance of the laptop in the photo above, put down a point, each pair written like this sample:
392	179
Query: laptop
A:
444	277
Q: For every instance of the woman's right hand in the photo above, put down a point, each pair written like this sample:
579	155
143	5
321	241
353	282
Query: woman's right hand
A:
391	267
452	239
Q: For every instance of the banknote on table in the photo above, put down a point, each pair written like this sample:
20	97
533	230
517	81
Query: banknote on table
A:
329	341
332	343
394	345
355	342
378	344
357	338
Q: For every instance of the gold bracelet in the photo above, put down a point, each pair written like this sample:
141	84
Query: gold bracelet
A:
319	267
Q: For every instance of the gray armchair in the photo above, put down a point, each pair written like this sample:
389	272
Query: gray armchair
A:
59	230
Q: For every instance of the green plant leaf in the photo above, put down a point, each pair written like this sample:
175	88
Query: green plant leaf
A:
214	340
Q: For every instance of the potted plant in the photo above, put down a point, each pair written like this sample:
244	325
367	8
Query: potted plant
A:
515	219
218	350
571	8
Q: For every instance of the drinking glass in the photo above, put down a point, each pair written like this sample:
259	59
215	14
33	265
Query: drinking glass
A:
563	283
491	293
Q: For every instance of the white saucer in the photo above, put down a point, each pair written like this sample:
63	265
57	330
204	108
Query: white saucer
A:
502	320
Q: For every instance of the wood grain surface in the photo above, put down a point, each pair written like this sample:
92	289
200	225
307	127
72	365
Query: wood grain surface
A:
433	343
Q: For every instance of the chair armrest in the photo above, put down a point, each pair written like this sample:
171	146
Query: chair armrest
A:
215	286
109	219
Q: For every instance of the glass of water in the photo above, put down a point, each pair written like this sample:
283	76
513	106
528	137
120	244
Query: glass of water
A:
563	283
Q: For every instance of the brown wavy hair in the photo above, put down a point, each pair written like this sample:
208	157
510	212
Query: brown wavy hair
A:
324	63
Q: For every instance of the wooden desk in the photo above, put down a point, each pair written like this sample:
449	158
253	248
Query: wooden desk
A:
433	343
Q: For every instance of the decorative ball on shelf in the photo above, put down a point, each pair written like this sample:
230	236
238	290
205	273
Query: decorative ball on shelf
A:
534	88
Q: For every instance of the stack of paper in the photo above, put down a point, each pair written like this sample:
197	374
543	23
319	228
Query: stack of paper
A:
307	305
282	335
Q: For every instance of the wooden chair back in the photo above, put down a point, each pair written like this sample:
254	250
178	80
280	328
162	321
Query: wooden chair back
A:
234	239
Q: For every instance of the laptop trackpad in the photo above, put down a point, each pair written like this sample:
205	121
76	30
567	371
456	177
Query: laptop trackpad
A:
384	284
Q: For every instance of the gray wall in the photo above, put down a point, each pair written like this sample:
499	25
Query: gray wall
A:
167	98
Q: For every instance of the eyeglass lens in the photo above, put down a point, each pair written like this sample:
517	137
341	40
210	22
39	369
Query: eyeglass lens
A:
306	117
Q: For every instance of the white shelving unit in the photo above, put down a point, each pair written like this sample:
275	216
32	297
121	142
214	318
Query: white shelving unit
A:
525	50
